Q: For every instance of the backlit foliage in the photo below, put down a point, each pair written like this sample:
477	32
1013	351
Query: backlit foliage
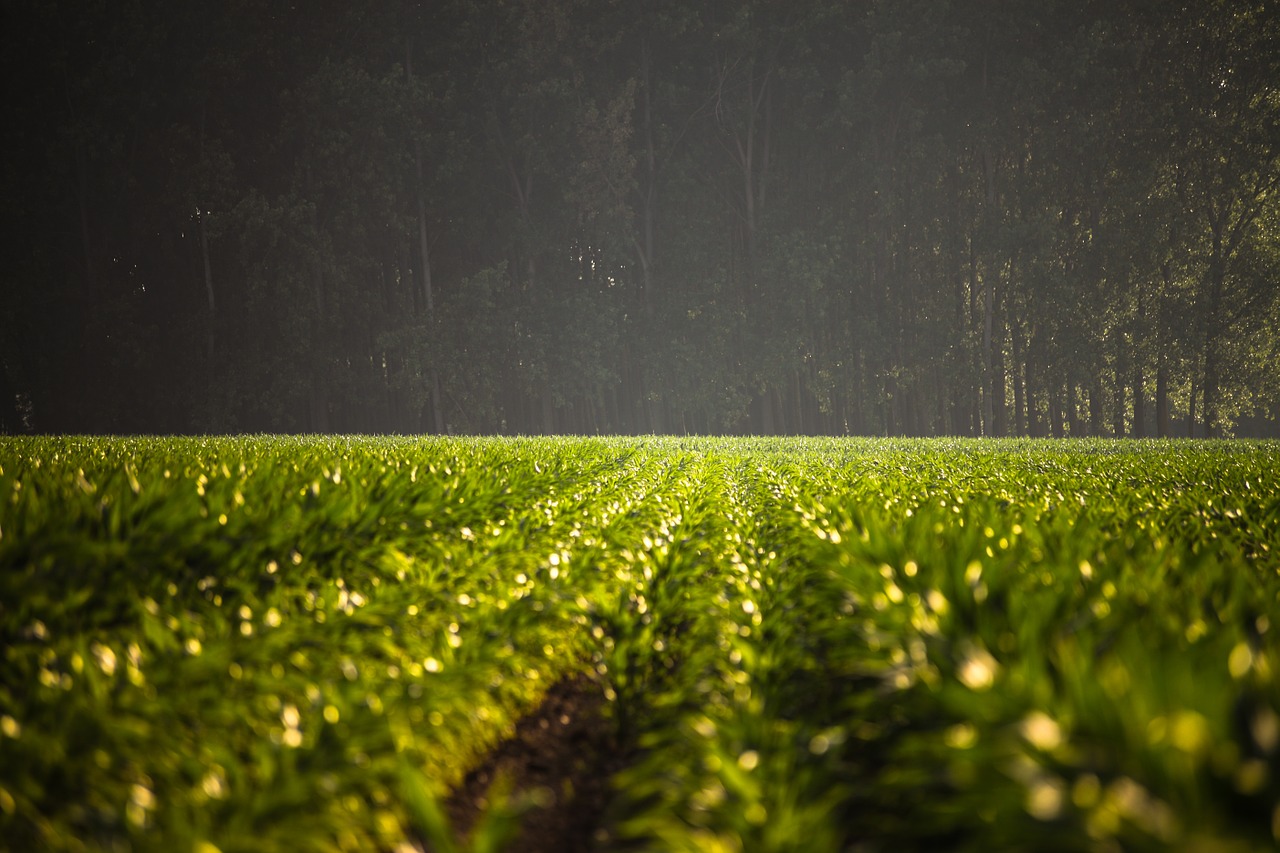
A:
284	643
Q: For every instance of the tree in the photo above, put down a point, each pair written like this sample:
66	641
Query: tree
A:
895	218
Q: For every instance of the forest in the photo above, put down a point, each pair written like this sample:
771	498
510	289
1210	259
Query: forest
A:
883	217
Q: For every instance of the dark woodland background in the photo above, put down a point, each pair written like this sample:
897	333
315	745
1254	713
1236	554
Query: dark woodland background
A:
905	217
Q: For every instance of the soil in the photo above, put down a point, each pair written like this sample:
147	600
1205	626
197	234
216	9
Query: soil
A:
563	754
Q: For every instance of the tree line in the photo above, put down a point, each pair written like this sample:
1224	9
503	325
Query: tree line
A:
899	217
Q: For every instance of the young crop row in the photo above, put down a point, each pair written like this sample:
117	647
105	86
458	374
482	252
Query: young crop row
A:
270	643
1008	646
280	644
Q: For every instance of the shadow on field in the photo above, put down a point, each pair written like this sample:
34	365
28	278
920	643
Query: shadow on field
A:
562	758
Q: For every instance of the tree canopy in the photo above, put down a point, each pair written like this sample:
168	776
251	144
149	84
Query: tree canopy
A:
904	217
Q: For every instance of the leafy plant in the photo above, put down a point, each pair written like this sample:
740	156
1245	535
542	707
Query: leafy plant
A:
270	643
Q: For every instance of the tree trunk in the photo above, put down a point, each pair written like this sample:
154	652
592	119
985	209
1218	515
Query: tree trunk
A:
1139	403
648	199
1095	405
1118	412
424	250
1019	383
1139	379
988	383
1073	414
1191	409
210	328
1162	395
752	162
1217	273
1212	428
524	197
1034	427
1055	411
424	283
999	404
437	411
318	396
1162	355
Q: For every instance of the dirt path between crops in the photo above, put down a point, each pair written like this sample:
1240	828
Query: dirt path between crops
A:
566	751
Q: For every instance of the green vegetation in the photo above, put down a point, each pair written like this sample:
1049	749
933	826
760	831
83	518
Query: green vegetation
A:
281	644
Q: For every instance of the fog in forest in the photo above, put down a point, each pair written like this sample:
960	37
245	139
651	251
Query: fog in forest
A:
913	217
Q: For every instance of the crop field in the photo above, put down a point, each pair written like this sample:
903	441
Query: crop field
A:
280	644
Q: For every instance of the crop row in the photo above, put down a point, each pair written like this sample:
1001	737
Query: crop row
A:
998	647
272	643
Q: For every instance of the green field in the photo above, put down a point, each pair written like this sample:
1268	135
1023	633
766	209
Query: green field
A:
259	644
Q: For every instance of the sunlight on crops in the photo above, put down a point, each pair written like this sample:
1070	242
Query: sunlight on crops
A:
284	643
